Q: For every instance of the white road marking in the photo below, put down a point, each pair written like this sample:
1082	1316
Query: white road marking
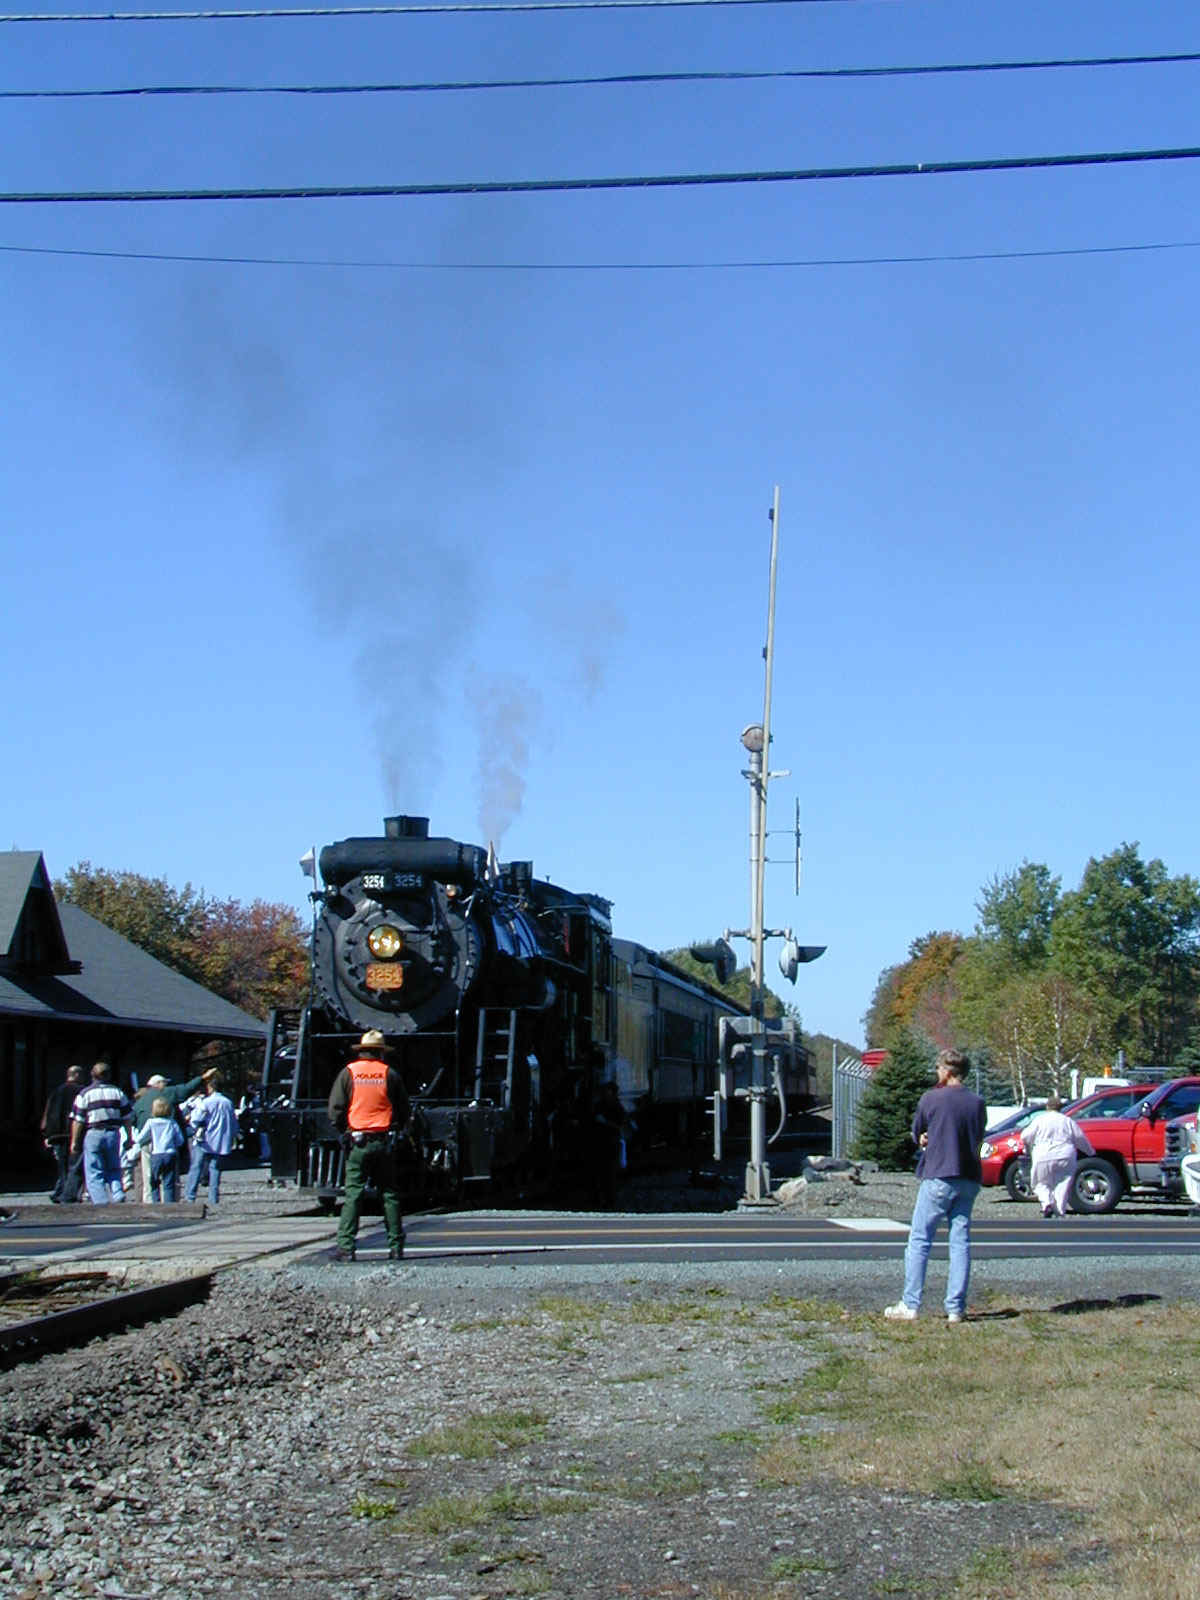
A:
870	1224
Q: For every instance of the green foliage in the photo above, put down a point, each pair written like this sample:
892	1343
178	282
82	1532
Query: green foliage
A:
1051	983
254	956
885	1111
821	1047
1129	936
738	987
147	911
1016	912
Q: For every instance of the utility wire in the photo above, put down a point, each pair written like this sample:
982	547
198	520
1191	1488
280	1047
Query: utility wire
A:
609	79
374	191
388	11
607	266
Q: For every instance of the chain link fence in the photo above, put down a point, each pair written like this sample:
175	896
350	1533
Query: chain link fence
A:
850	1080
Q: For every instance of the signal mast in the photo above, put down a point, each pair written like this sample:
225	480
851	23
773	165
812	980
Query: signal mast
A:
756	740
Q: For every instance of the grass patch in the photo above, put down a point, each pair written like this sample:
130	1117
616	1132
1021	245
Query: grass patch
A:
785	1567
458	1515
836	1385
452	1513
1022	1406
646	1375
372	1510
709	1305
479	1437
669	1483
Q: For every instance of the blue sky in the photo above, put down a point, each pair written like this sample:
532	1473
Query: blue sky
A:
288	547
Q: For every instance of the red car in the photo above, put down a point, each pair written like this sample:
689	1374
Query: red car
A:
1002	1154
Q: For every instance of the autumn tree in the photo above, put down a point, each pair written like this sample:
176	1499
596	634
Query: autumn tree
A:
918	993
254	956
161	920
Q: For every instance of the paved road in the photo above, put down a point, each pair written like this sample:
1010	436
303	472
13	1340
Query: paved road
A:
441	1241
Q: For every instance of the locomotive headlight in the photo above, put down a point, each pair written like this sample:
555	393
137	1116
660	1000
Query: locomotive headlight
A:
385	942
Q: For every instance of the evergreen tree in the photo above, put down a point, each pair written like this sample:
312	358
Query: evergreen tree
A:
885	1111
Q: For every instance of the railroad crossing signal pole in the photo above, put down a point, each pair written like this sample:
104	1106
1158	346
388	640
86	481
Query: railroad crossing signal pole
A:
757	742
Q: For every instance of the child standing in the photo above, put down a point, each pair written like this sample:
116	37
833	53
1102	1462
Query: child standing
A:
162	1136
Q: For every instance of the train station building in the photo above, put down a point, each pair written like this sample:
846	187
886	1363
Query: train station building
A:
73	991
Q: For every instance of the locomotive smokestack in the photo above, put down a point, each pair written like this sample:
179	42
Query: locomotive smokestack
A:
406	827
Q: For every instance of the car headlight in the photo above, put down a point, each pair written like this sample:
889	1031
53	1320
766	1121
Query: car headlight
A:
986	1150
384	942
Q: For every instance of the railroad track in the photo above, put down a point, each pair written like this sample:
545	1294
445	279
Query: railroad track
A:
42	1311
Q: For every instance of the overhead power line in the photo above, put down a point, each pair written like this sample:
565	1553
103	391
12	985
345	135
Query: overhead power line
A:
679	180
602	80
950	258
278	12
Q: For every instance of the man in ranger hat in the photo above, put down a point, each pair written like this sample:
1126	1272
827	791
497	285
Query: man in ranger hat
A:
369	1104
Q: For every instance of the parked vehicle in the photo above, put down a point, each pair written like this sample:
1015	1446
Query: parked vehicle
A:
1180	1139
1002	1153
1131	1148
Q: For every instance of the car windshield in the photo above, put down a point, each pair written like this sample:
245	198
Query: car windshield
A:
1123	1102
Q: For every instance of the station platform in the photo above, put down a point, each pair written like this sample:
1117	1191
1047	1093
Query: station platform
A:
147	1243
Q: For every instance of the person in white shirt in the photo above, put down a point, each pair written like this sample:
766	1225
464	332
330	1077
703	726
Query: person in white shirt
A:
1054	1144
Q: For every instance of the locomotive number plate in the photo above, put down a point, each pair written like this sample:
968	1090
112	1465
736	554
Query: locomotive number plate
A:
392	880
385	975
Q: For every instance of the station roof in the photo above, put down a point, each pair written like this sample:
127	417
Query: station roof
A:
57	963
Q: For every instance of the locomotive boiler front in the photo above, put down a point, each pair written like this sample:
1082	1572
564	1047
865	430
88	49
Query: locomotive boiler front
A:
396	944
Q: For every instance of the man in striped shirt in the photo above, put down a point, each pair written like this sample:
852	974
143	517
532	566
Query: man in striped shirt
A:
97	1117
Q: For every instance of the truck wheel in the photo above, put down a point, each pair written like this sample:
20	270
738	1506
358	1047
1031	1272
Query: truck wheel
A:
1098	1186
1016	1180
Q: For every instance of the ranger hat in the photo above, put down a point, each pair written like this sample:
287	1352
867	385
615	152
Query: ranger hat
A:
372	1040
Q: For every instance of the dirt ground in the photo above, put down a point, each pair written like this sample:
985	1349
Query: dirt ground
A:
332	1433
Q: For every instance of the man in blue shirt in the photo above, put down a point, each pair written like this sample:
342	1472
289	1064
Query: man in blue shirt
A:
948	1125
214	1127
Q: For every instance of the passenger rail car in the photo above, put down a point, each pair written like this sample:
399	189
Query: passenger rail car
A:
506	1003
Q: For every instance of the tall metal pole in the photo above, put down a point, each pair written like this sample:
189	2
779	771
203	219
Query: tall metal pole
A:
758	1175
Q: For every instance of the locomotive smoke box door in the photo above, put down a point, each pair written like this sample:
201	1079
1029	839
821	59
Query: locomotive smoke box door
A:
385	975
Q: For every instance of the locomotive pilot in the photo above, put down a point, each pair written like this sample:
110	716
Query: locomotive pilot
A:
368	1103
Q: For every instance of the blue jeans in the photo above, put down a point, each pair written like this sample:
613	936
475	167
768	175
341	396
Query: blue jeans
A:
949	1200
102	1165
163	1181
205	1165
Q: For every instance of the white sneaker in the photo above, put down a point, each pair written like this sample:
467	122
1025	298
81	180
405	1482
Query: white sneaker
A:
900	1312
954	1316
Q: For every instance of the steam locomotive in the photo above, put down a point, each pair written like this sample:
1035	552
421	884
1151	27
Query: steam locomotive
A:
506	1002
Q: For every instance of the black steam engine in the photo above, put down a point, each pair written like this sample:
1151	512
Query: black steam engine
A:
506	1003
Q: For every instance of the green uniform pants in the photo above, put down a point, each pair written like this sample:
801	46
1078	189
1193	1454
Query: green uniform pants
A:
371	1160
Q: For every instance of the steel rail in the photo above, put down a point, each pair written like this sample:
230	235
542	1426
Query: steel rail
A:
35	1336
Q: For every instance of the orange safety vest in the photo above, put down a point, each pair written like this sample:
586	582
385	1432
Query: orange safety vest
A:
370	1110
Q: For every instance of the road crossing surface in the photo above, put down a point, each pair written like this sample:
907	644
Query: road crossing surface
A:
200	1243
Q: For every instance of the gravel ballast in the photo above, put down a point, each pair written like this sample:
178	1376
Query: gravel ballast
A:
293	1436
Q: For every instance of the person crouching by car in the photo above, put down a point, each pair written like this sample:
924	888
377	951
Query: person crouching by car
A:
1054	1144
368	1104
214	1126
